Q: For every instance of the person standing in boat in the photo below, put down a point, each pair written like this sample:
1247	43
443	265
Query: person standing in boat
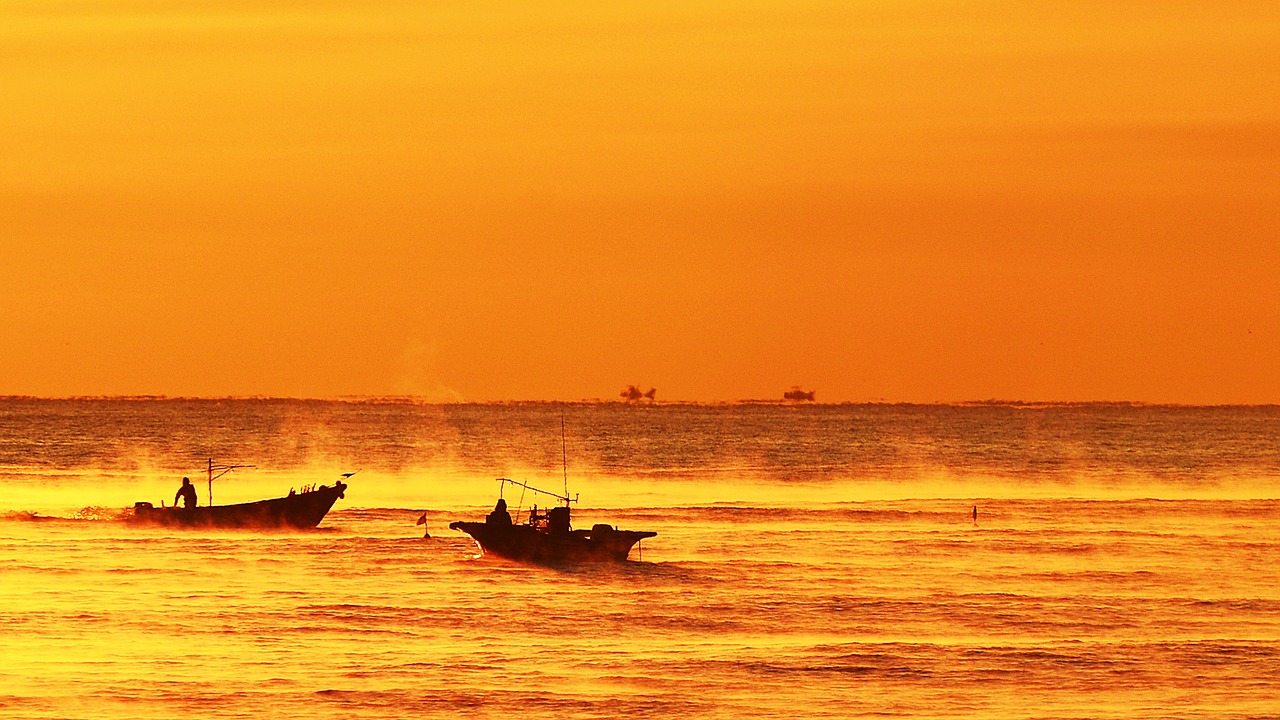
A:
187	493
499	516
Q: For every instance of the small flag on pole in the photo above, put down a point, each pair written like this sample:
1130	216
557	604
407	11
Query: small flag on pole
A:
423	521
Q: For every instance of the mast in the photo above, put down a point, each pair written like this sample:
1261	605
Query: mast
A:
222	470
564	456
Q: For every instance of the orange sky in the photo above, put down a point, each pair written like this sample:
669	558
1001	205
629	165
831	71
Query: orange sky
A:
910	201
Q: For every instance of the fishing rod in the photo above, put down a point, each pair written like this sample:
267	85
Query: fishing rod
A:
562	498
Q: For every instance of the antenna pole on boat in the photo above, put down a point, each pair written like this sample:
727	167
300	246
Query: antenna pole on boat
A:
564	455
222	470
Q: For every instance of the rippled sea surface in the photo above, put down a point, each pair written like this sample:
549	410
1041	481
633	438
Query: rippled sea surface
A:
812	561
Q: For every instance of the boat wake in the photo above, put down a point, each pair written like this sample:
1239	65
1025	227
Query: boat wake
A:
92	513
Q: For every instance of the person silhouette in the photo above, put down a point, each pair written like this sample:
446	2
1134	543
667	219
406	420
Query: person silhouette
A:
975	514
187	493
499	516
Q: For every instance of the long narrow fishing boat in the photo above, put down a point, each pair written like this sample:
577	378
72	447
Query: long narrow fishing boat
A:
547	538
300	510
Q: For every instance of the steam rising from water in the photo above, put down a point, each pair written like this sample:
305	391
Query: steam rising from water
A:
57	456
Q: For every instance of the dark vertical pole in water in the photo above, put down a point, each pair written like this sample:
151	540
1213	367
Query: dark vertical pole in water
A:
210	482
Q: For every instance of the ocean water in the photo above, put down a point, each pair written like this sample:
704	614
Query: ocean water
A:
812	561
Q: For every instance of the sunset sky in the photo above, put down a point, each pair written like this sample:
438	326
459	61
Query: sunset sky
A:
907	201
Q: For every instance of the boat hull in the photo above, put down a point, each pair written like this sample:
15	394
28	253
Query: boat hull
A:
297	510
524	543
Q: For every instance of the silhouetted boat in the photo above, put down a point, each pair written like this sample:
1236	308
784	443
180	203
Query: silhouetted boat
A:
547	538
796	394
296	510
303	509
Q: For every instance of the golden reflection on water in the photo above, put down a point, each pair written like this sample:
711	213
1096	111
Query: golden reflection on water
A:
904	607
821	562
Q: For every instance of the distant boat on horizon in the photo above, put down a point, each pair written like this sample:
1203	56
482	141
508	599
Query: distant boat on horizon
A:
798	395
633	393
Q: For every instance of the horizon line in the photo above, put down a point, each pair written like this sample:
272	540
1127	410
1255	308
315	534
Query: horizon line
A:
411	399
